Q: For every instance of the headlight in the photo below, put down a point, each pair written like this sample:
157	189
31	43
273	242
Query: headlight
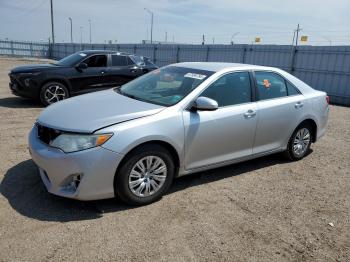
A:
72	142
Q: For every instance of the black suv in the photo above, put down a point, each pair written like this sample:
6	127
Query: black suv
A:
81	72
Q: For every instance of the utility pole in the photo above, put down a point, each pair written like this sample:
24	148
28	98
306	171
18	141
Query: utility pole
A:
90	29
293	51
71	29
213	40
81	35
52	27
328	39
166	37
233	37
151	13
297	35
203	40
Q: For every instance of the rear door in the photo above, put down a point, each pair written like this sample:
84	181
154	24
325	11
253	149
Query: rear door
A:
280	108
122	70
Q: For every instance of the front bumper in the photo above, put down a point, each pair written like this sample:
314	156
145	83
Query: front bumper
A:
96	167
17	88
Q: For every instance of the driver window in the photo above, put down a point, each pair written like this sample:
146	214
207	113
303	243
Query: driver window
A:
230	89
96	61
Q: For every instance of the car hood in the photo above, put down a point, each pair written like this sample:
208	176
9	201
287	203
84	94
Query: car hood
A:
87	113
32	68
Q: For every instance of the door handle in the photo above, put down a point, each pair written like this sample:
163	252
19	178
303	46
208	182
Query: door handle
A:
250	113
299	105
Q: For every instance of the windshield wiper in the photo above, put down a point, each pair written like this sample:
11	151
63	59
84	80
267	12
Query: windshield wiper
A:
119	91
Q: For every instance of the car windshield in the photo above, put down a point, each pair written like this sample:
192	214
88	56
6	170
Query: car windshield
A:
72	59
137	60
165	86
147	61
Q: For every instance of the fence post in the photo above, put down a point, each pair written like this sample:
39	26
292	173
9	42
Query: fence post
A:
31	48
292	58
154	53
177	54
207	54
49	49
244	54
12	50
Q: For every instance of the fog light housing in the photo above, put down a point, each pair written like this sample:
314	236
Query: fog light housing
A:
72	183
27	82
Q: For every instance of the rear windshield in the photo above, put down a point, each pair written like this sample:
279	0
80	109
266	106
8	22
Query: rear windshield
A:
165	86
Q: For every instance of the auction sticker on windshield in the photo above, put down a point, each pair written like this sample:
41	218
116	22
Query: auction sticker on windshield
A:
195	76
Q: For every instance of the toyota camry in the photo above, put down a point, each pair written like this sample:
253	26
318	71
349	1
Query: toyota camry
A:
133	140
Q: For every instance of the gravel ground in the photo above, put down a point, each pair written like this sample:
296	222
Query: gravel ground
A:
262	210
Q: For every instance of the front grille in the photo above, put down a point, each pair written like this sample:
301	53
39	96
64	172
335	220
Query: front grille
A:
47	134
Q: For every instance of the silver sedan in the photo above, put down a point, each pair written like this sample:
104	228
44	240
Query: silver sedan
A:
133	140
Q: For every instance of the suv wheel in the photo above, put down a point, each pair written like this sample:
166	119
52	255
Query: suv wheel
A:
53	92
299	143
145	176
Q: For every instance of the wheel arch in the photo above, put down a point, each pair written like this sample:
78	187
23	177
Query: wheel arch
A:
169	147
59	80
313	125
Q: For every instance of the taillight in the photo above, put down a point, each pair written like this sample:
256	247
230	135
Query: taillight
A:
327	99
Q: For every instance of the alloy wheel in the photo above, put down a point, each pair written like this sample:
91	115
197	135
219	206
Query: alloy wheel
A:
147	176
54	93
301	141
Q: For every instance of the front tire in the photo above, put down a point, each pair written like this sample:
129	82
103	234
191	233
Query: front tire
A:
145	175
299	143
53	92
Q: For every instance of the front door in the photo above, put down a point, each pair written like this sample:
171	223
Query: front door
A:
94	77
213	137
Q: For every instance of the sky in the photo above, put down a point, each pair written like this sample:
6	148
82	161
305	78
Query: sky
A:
183	21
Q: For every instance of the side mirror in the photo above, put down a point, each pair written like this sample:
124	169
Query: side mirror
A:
82	66
205	104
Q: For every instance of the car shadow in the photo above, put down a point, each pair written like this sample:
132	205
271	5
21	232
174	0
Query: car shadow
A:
25	192
19	102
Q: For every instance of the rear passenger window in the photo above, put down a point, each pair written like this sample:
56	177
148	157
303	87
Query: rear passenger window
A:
292	90
270	85
119	60
230	89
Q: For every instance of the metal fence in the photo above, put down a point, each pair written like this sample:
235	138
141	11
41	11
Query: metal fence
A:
24	49
325	68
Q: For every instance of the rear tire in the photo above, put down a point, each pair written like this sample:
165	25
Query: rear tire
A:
53	92
145	175
299	143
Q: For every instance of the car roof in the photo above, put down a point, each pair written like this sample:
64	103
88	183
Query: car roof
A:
89	52
218	66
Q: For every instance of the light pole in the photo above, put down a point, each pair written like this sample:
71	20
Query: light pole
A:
52	27
233	37
151	13
71	29
90	29
328	39
81	35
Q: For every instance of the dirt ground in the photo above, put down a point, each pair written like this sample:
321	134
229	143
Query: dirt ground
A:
266	209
